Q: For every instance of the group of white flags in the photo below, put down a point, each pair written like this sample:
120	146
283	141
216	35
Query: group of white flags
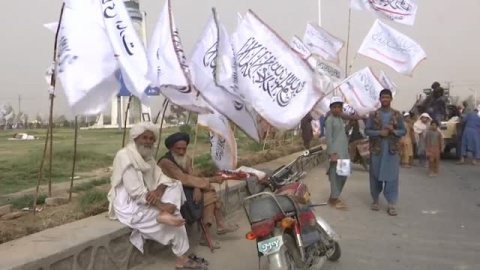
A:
225	79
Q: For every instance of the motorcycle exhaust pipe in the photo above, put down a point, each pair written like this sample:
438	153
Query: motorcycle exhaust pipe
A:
327	228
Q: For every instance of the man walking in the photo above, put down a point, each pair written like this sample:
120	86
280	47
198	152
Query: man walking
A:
385	127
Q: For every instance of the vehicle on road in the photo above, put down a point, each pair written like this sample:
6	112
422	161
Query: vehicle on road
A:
288	233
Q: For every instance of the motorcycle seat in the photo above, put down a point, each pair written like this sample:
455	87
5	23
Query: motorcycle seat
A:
265	207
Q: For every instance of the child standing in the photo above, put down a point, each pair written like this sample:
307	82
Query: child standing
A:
406	143
420	128
433	147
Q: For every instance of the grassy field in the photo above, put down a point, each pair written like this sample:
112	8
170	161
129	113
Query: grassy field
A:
20	160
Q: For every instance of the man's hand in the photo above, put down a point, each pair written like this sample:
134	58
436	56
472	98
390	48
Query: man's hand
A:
217	180
384	133
152	196
390	129
167	207
197	195
333	158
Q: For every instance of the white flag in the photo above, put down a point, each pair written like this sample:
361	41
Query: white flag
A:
400	11
326	68
86	69
387	83
362	91
209	66
299	47
277	82
169	65
392	48
128	47
222	140
322	43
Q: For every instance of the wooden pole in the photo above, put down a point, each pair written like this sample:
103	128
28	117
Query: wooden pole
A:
49	131
348	41
266	138
164	108
165	103
74	158
194	145
125	120
50	126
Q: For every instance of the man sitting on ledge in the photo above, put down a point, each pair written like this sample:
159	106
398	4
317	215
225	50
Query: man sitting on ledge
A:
146	200
177	165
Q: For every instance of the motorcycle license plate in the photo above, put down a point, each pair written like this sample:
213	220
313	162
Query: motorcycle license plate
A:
271	245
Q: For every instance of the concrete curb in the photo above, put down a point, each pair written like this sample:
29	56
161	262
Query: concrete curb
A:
99	243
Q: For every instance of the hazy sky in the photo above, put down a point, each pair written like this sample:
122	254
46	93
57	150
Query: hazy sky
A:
447	30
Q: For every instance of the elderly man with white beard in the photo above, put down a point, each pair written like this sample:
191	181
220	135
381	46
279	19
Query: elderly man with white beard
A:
148	201
199	192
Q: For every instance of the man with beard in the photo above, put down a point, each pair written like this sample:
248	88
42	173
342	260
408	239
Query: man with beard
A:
146	200
177	165
385	127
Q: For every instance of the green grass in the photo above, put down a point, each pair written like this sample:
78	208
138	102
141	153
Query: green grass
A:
27	201
90	185
93	198
20	160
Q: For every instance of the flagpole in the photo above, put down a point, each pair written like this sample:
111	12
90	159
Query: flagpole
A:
195	144
164	108
125	120
50	126
50	129
348	40
266	138
74	158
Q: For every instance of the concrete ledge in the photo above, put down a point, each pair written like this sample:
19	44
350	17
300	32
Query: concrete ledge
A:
99	243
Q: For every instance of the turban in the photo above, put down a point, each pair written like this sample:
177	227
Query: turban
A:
176	137
140	128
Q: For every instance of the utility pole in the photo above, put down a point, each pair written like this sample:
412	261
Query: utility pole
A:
19	103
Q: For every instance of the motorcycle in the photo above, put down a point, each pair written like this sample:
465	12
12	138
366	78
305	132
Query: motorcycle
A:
288	233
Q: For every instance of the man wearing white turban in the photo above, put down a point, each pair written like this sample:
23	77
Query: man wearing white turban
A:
146	200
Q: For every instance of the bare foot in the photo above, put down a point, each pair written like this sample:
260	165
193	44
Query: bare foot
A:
474	162
168	219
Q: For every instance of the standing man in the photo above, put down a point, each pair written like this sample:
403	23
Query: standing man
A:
385	127
337	148
307	130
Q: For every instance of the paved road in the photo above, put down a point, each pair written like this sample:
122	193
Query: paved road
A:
438	226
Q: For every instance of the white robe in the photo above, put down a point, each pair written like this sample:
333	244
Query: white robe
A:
131	180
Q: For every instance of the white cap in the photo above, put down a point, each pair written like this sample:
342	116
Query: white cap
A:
336	100
406	114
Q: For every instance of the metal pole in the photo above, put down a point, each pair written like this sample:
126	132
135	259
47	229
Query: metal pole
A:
320	13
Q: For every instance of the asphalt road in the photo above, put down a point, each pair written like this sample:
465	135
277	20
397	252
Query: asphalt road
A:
438	226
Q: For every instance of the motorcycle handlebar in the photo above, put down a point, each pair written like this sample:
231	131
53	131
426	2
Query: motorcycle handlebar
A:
313	150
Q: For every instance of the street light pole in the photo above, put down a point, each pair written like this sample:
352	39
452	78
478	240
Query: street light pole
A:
476	96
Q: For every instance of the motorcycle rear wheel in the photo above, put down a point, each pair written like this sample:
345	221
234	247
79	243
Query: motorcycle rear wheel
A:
334	254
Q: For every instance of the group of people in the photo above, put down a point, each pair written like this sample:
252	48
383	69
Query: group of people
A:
157	199
384	127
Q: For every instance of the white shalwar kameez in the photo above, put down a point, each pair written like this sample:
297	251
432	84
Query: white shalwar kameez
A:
132	178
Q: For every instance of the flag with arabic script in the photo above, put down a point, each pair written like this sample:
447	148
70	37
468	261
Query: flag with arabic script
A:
127	46
362	91
85	69
400	11
275	80
169	65
322	43
223	146
392	48
387	83
300	47
214	76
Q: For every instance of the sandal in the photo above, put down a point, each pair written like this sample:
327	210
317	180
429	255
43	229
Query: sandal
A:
392	211
204	243
191	264
341	206
198	259
375	207
230	228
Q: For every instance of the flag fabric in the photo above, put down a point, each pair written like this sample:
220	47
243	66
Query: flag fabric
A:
326	68
215	79
387	83
127	46
169	66
223	146
362	91
322	43
53	26
85	69
400	11
392	48
300	47
275	80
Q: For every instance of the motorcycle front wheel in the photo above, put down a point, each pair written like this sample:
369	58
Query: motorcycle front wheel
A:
335	253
